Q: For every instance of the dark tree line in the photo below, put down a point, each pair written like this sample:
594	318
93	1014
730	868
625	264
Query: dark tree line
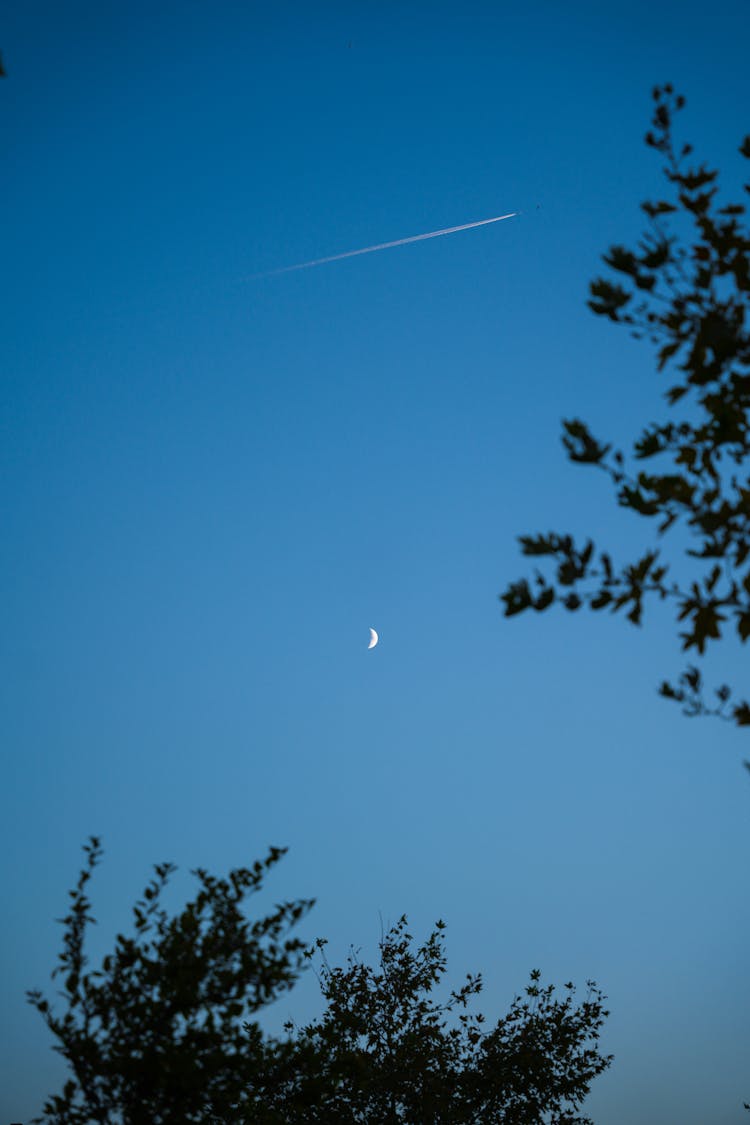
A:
164	1032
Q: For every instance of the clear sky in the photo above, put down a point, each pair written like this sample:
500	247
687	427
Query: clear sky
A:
213	487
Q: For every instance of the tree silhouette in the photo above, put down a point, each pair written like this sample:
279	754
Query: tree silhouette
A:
160	1034
163	1033
385	1051
689	294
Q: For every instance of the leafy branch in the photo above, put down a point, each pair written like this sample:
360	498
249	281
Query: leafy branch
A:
690	296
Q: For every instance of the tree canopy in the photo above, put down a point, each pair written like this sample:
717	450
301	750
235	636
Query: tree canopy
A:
160	1033
389	1052
166	1032
686	289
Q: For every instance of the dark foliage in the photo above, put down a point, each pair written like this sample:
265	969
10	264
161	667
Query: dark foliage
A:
689	295
385	1051
163	1033
159	1035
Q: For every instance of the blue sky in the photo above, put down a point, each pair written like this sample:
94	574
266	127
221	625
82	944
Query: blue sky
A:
212	488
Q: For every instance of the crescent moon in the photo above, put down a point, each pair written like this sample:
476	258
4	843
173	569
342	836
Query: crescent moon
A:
373	639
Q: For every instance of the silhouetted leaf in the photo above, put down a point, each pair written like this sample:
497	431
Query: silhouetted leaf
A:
742	715
743	625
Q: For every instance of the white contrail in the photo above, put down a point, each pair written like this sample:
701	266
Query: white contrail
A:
385	245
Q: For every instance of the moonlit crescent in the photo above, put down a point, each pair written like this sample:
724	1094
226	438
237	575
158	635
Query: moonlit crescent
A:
373	639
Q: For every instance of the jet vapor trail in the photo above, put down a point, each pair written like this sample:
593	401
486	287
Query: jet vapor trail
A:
385	245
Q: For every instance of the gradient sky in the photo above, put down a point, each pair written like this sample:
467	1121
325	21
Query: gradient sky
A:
212	487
